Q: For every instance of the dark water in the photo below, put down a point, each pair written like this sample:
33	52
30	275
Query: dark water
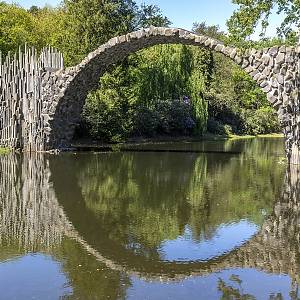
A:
218	224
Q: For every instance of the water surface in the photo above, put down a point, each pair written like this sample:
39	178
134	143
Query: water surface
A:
208	220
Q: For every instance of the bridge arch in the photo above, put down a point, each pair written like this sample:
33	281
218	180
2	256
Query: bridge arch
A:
65	91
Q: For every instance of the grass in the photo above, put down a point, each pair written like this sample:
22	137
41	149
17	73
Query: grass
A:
88	144
269	135
274	135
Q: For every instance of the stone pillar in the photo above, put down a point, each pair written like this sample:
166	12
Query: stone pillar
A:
291	135
289	110
295	154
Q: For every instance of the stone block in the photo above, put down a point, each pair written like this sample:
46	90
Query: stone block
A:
280	79
266	59
183	33
274	83
280	58
245	63
207	43
289	76
249	69
122	38
272	99
170	32
238	59
267	88
282	49
267	71
273	51
261	79
264	84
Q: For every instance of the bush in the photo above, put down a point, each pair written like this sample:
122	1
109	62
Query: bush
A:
261	121
165	117
146	121
216	127
105	122
114	122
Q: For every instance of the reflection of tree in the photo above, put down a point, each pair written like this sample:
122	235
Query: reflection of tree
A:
138	196
89	278
147	198
228	192
231	293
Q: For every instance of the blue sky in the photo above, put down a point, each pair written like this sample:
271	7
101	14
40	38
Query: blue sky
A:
182	13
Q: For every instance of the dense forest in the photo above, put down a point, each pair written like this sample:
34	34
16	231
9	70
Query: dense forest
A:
163	90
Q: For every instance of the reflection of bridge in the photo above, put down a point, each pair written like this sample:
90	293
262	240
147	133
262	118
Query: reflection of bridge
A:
32	215
41	103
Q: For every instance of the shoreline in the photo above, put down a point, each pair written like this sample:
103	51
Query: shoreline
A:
85	145
88	144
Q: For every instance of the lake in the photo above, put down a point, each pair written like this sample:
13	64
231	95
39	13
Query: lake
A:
193	220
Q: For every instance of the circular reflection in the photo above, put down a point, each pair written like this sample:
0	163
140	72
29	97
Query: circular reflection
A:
165	213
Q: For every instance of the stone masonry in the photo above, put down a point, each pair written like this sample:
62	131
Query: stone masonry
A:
63	92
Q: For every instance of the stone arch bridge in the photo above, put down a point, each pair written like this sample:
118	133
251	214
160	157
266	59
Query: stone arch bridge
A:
41	101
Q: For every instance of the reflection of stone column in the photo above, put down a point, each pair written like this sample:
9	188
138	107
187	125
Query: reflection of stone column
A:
29	211
281	232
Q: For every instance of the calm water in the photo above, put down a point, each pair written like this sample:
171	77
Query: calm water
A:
219	221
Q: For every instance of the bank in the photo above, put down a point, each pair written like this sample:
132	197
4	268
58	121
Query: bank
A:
129	145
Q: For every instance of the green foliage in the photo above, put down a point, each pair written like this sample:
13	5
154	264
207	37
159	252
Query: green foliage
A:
110	122
158	90
88	24
91	23
149	15
17	27
260	121
235	102
165	117
4	150
256	13
231	292
136	96
209	30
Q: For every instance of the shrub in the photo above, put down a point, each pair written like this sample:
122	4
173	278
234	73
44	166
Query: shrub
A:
105	122
261	121
164	117
216	127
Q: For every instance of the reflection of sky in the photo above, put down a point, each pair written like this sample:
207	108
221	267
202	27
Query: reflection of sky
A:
256	283
33	277
225	238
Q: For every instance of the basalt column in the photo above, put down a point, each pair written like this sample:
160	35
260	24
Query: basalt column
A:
289	114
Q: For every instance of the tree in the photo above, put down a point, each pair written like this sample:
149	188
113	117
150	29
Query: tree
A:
235	103
37	27
149	15
17	27
34	9
253	13
90	23
209	30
